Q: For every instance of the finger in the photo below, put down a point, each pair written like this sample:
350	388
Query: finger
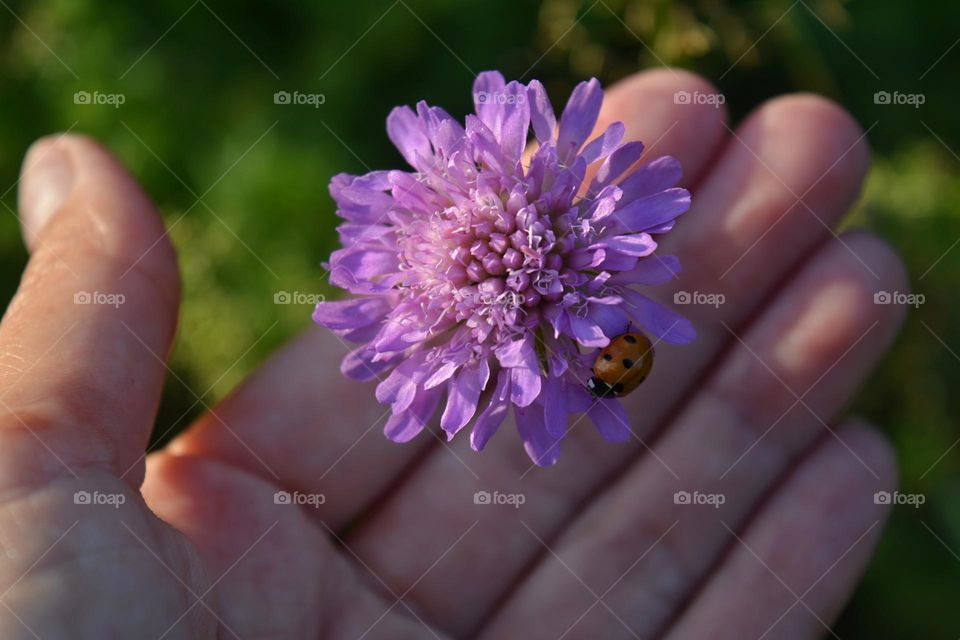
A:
798	561
277	414
83	341
769	399
802	137
296	421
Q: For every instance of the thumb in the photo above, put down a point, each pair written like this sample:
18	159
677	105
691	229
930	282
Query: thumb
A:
82	344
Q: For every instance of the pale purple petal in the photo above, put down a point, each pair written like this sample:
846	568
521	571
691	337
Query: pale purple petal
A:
350	314
541	112
486	87
462	396
648	212
543	448
653	177
554	406
408	134
613	167
492	417
611	420
578	118
405	425
360	365
587	332
650	271
655	318
604	144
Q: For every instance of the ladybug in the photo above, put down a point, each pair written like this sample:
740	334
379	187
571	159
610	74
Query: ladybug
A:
621	366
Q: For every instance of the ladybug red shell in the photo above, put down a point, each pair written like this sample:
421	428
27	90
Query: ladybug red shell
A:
621	366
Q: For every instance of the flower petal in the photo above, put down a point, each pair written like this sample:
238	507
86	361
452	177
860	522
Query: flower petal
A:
359	364
408	134
651	211
541	112
650	271
554	407
587	332
520	358
492	417
610	420
578	118
653	177
462	396
542	447
350	314
663	323
487	86
403	426
621	159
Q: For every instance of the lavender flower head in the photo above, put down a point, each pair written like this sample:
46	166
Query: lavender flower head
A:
490	279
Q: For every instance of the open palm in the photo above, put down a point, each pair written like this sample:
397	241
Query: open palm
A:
741	509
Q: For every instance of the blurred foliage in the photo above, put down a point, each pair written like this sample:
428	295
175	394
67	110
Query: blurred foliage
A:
242	180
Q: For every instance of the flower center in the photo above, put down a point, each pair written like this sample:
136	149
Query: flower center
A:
492	265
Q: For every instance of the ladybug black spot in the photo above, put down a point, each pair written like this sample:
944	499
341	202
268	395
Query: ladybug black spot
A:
627	363
618	388
607	357
629	338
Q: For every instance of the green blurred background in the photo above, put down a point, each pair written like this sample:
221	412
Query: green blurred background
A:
242	180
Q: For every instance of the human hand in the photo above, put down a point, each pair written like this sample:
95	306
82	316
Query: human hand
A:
602	545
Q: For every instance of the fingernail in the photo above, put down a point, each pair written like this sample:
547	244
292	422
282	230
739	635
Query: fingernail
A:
45	184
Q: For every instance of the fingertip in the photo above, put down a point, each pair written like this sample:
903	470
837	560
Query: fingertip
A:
46	180
673	112
842	141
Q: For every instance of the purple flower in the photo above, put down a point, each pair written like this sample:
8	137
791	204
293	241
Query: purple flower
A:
490	279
